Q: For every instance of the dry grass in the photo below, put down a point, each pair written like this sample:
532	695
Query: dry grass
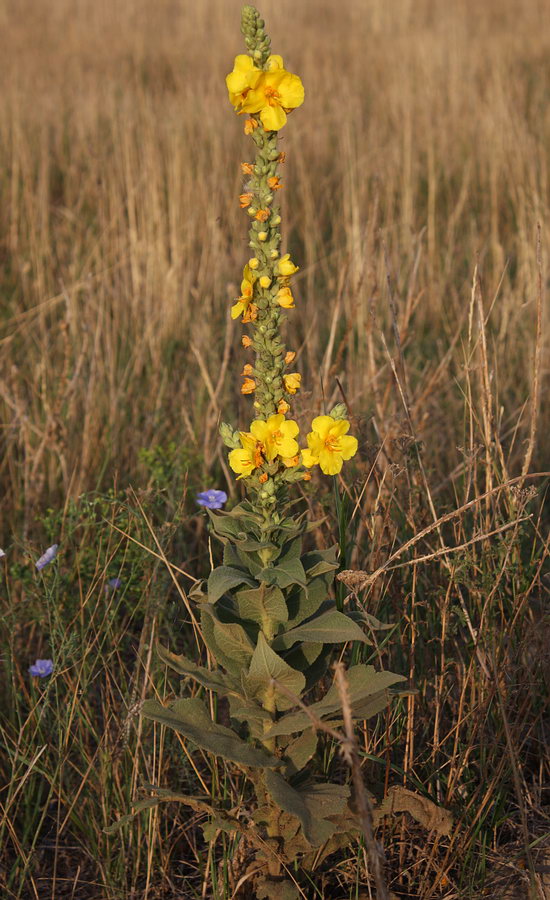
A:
417	203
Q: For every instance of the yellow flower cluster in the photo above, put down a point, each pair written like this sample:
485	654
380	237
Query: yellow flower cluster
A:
272	93
266	441
328	445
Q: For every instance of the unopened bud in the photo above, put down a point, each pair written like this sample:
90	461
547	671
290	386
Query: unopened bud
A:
339	411
229	436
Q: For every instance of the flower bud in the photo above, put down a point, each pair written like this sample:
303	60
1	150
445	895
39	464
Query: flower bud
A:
276	220
274	254
253	262
339	411
229	436
262	235
265	281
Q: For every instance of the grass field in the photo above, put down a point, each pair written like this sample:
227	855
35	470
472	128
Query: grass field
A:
416	201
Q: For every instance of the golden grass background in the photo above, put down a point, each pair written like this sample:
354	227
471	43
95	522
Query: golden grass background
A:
422	151
416	202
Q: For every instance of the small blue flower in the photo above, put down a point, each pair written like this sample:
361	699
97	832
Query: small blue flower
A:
41	668
114	584
212	499
47	557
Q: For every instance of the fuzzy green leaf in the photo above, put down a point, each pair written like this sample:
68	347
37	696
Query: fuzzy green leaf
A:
191	718
223	578
288	571
299	752
331	627
304	602
215	681
208	620
233	641
264	666
320	562
365	683
261	604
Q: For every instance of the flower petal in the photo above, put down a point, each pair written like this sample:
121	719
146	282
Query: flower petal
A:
309	459
348	446
291	90
331	463
273	118
322	425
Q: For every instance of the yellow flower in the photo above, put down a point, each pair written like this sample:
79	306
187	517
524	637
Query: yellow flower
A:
246	341
274	94
283	407
253	262
262	235
265	281
329	444
277	435
244	76
274	183
248	386
247	168
262	215
250	457
244	303
263	478
285	298
286	267
247	370
292	382
290	356
245	200
250	125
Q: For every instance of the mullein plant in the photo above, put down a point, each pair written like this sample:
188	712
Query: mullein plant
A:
267	616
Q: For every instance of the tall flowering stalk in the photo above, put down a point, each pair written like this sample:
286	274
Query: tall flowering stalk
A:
267	615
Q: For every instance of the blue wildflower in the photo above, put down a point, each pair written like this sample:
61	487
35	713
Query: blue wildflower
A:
212	499
47	557
114	584
41	668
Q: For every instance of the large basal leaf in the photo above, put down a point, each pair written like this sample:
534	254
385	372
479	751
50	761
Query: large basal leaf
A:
331	627
325	802
224	578
267	888
264	666
191	718
215	681
266	603
364	683
289	799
